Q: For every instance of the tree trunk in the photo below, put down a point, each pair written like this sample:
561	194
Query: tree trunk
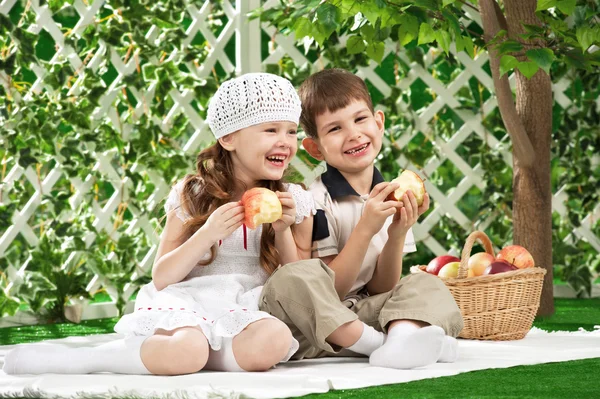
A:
532	205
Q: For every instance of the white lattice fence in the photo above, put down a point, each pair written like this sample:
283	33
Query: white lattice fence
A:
247	36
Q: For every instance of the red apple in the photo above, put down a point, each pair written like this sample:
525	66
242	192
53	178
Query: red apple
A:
517	255
499	266
479	262
450	270
437	263
261	205
409	180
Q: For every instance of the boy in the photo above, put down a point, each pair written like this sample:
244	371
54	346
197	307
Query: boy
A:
351	295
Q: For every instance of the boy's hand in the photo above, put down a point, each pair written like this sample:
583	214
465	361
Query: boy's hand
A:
377	209
288	215
408	214
224	220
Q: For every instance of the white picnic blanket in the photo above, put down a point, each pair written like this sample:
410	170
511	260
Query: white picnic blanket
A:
302	377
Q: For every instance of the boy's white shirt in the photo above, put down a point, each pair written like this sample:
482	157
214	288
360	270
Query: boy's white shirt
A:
342	216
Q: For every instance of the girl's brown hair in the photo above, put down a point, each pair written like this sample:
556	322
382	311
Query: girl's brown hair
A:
210	188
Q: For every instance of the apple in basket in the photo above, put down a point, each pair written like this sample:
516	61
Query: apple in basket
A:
517	255
450	270
437	263
409	180
478	263
499	266
261	205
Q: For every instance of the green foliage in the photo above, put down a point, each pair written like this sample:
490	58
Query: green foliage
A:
64	126
415	25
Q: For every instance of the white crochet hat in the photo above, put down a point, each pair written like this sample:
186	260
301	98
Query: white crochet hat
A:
250	100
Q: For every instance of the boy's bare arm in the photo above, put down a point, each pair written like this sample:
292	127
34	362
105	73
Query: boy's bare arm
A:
389	264
389	267
348	262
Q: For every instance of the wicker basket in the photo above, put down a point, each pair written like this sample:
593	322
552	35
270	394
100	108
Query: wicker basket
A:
496	307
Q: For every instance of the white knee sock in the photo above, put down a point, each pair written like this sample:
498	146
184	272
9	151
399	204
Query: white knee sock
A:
409	346
449	350
121	356
223	359
370	340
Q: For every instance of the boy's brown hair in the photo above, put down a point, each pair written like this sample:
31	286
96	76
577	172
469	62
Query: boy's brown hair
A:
329	90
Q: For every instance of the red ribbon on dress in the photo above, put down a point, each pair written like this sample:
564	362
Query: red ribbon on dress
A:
245	237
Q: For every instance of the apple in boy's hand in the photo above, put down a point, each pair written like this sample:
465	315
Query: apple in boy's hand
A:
517	255
499	266
261	205
479	262
409	180
437	263
450	270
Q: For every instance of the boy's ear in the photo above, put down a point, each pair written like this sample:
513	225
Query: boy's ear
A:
311	146
228	142
380	120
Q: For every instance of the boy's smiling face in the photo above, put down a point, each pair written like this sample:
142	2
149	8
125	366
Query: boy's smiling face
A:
349	139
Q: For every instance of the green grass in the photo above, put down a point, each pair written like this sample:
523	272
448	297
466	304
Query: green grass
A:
575	379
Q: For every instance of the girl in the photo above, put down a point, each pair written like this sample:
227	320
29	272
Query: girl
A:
201	309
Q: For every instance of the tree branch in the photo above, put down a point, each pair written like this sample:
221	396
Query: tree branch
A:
493	21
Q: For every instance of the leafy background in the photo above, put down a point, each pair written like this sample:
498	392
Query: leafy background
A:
109	132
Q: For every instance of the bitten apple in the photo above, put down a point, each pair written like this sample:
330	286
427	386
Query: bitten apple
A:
517	255
450	270
437	263
261	205
479	262
409	180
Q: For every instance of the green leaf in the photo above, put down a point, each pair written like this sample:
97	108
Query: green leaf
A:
426	34
545	4
329	16
428	4
408	30
567	6
528	68
465	43
355	45
6	24
543	57
447	2
375	51
507	63
585	36
367	31
443	39
510	46
303	27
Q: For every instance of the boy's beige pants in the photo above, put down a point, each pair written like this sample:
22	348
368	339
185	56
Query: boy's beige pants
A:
303	296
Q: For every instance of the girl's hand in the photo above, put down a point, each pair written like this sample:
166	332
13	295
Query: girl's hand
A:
288	215
224	220
408	214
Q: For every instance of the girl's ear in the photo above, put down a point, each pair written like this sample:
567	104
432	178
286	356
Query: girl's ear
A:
312	147
228	142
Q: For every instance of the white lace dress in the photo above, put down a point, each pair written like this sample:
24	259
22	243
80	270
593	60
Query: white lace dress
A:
221	298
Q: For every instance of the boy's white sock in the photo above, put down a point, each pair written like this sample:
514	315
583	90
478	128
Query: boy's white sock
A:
409	346
223	359
121	356
449	350
369	340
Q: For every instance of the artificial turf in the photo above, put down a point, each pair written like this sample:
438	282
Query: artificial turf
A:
575	379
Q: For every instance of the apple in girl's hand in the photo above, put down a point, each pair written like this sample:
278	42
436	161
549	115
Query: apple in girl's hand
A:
409	180
450	270
499	266
479	262
261	205
517	255
437	263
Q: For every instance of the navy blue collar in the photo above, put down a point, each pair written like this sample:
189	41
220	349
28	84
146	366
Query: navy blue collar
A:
338	186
